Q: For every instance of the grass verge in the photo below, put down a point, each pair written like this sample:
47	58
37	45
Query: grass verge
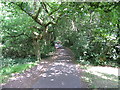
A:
6	71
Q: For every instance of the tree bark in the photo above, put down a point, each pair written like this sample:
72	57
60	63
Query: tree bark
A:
36	43
1	47
36	46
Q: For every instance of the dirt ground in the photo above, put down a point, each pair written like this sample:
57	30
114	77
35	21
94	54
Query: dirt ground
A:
64	58
91	76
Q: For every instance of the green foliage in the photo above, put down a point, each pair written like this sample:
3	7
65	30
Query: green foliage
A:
92	36
10	66
90	29
8	62
15	68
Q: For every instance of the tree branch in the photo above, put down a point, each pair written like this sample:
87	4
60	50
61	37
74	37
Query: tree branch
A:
56	21
49	23
37	28
49	5
37	14
34	17
45	7
55	9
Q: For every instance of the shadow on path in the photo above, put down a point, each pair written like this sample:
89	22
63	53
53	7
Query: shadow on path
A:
57	72
61	73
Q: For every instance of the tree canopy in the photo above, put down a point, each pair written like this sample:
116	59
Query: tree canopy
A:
90	29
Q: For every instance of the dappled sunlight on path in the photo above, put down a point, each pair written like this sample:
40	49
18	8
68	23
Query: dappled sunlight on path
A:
61	73
56	72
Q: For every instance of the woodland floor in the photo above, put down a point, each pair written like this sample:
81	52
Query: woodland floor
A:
59	71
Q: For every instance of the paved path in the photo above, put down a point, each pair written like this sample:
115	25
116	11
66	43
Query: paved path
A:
61	73
57	72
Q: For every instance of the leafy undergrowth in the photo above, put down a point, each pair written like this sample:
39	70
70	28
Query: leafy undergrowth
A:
6	71
100	77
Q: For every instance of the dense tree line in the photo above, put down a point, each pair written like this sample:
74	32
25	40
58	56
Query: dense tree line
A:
90	29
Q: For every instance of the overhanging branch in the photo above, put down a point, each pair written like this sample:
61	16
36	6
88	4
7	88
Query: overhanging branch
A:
39	29
55	22
34	17
45	7
50	23
37	14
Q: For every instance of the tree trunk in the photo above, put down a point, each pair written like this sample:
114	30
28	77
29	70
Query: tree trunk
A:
38	51
1	47
36	45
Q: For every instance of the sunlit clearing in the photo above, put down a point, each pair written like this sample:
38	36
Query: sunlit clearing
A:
44	62
13	78
51	79
107	70
106	73
86	79
44	75
28	75
39	67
